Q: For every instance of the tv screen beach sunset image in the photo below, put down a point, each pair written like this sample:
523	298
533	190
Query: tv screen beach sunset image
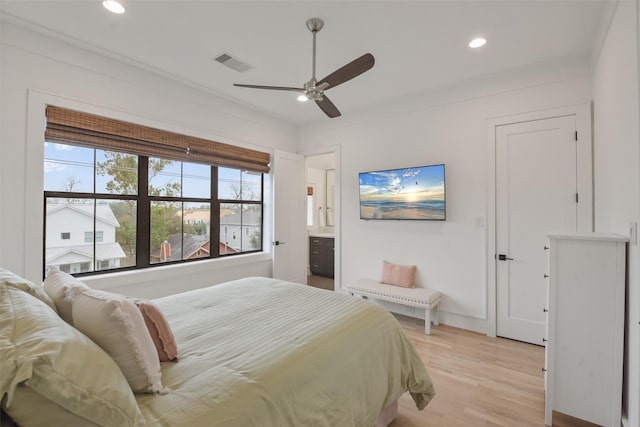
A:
412	193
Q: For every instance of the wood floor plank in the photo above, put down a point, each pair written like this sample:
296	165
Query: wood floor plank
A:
479	380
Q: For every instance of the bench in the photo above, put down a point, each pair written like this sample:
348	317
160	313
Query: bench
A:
413	297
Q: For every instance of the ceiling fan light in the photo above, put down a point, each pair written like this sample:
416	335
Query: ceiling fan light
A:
113	6
477	42
302	98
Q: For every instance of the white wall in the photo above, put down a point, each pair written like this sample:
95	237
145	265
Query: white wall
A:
443	127
36	69
617	169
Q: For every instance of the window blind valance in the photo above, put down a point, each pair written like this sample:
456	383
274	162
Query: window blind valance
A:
89	130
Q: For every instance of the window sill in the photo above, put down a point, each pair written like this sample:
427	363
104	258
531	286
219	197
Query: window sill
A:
165	273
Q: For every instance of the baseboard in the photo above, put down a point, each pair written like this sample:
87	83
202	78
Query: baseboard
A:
563	420
446	318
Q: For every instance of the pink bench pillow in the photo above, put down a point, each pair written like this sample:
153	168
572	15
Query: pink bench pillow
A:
398	275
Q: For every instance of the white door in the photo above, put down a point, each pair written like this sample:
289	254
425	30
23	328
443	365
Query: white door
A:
289	217
536	193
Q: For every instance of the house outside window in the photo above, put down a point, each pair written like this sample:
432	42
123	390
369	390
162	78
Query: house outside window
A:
136	211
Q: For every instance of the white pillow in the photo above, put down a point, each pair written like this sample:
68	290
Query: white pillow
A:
41	352
60	287
115	324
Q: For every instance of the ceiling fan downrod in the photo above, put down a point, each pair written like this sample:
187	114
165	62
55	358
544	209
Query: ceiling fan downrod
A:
311	90
314	25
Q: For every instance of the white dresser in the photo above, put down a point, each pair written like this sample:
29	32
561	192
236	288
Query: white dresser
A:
585	327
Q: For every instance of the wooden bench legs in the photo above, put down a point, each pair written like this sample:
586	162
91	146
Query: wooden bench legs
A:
428	318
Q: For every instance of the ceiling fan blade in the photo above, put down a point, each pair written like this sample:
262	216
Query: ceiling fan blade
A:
349	71
293	89
327	106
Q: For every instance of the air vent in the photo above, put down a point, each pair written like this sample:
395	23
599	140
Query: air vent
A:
233	63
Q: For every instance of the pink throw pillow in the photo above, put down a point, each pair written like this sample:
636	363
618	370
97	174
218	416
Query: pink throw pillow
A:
159	330
398	275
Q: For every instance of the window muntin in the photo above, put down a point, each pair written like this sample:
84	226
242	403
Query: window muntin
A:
178	201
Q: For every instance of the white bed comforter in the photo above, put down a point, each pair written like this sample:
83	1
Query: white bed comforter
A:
263	352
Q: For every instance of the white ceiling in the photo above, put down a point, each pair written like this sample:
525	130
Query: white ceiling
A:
418	45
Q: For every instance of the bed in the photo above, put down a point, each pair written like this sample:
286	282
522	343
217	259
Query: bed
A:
252	352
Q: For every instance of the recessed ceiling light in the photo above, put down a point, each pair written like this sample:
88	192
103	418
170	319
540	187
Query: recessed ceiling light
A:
302	98
113	6
477	42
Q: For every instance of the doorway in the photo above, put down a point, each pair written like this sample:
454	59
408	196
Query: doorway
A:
540	182
321	219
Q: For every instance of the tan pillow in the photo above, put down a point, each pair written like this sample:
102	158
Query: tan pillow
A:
398	275
60	287
40	351
159	329
115	324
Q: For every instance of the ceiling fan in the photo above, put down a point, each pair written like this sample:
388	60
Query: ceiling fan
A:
314	89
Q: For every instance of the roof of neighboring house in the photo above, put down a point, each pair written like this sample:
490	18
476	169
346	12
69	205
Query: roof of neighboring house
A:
195	214
223	248
104	251
103	212
187	243
248	217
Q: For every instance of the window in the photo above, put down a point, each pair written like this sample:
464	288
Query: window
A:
137	209
88	236
65	236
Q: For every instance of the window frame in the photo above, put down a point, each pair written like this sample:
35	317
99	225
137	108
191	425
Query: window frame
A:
143	216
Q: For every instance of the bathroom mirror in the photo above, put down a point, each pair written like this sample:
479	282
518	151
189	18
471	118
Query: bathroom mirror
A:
330	181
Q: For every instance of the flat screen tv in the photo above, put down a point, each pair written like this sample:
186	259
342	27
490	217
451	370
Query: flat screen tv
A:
411	193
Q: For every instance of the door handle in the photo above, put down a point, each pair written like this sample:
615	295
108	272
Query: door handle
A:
503	257
278	243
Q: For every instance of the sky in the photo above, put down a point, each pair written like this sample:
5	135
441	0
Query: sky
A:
410	184
68	165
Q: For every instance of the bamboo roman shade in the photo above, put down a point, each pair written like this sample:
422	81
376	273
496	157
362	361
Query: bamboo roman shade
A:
89	130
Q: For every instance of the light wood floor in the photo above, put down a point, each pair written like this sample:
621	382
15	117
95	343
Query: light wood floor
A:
320	282
479	381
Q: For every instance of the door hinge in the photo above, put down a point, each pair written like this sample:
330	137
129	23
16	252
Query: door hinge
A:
576	197
576	135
